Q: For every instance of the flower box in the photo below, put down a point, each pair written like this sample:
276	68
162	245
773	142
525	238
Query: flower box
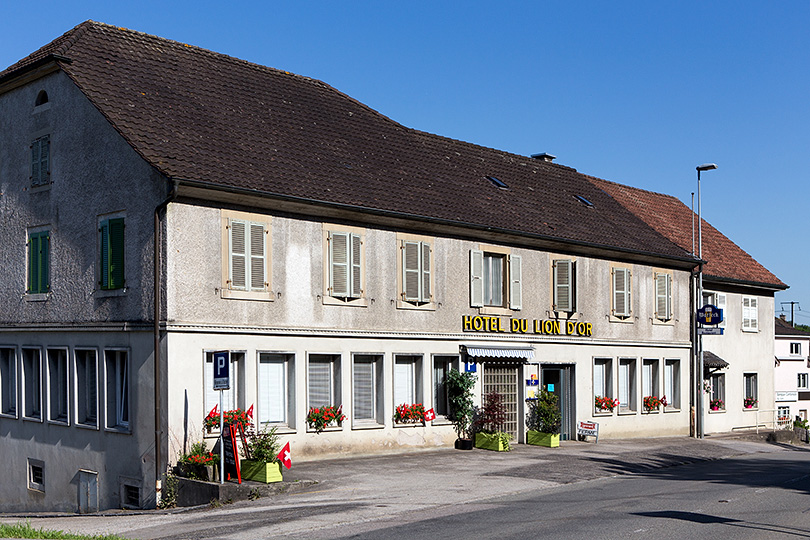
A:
259	471
538	438
491	441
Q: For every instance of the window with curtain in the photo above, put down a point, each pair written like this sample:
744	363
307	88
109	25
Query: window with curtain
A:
441	366
366	388
274	403
8	381
627	384
86	388
322	380
672	383
230	396
57	385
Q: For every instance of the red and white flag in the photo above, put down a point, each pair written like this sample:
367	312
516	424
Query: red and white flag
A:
213	412
284	456
250	412
430	415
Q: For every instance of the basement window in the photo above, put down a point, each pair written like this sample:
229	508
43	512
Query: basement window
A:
498	183
36	475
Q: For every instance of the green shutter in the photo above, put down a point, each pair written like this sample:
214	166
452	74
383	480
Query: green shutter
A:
116	253
33	263
44	262
38	262
104	255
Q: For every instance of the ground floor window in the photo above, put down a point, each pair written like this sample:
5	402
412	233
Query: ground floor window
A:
32	384
627	384
57	385
117	377
367	389
717	382
86	388
276	392
750	382
407	375
230	397
323	380
602	383
649	378
441	366
672	383
8	381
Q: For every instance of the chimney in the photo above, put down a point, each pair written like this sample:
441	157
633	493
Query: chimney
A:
544	157
783	317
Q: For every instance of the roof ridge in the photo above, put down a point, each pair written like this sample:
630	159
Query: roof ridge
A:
635	188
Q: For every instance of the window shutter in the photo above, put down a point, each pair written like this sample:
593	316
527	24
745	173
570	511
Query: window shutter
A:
404	383
44	262
427	294
116	253
357	269
339	264
754	316
44	159
35	160
411	276
663	295
621	292
364	390
33	263
515	285
257	257
272	389
319	379
563	286
104	255
238	253
476	278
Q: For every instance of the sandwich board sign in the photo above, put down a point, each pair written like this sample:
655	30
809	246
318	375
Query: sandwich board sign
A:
588	429
222	370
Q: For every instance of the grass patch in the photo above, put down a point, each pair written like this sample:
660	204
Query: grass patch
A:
25	530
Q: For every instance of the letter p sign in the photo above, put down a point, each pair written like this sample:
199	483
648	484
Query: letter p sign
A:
222	371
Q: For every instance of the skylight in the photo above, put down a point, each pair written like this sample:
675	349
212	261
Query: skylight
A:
498	183
584	201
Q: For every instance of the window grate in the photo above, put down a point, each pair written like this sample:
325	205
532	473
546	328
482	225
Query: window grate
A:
504	380
132	496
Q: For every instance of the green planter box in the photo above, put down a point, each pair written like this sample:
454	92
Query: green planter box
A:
259	471
538	438
490	441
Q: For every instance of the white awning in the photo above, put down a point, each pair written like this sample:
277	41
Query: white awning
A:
501	352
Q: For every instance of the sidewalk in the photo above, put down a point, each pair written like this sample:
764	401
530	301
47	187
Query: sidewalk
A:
372	487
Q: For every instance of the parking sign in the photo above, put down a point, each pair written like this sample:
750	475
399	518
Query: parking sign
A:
222	370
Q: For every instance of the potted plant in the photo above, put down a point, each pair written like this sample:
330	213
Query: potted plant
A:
716	404
544	420
319	418
489	432
652	403
198	463
605	404
409	414
261	462
461	409
750	402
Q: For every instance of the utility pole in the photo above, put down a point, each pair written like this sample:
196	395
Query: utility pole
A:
791	309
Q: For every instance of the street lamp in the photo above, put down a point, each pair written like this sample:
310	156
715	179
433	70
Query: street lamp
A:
700	430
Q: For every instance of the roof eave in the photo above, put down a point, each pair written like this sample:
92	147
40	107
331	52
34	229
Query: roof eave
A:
29	72
746	283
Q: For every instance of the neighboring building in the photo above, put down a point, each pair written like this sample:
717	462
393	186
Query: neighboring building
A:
792	372
167	202
738	364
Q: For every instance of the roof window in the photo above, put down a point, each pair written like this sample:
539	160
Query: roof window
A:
498	183
42	98
584	201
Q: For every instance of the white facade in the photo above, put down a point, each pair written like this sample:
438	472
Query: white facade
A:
791	374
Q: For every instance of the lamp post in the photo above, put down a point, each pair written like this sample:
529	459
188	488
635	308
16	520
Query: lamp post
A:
700	430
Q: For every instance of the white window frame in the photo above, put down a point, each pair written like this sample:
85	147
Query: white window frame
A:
285	367
34	483
231	398
802	382
84	401
672	383
718	300
751	382
117	376
256	236
9	377
795	348
621	302
31	371
344	248
439	388
628	390
415	272
564	285
602	381
334	362
482	280
407	379
377	390
718	385
650	378
58	385
750	314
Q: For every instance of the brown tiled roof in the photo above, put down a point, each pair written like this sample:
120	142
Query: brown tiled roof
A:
725	260
201	116
784	328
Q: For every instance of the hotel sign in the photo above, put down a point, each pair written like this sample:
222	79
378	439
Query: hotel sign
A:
483	323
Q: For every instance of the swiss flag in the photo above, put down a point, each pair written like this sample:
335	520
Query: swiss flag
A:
284	456
430	415
250	412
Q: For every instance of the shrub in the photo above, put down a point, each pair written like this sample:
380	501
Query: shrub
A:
492	417
263	445
544	414
460	399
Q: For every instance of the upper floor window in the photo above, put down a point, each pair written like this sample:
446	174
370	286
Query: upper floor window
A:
564	285
345	279
663	296
750	314
801	381
795	348
111	254
41	161
495	277
39	247
718	300
620	288
245	256
415	270
42	98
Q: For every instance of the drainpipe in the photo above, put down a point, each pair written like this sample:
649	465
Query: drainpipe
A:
157	284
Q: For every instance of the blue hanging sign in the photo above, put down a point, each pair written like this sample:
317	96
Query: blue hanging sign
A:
710	314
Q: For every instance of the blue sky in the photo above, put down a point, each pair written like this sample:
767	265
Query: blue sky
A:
634	92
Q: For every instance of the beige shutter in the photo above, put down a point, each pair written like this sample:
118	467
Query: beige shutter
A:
663	297
238	255
410	271
476	278
563	285
257	257
621	292
357	268
515	282
338	264
427	293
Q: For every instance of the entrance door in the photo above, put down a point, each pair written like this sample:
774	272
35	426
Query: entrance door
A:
559	381
504	380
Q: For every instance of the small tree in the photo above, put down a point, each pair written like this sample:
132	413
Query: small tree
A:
492	417
544	414
460	400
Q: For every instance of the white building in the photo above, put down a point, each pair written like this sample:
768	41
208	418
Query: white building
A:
792	349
